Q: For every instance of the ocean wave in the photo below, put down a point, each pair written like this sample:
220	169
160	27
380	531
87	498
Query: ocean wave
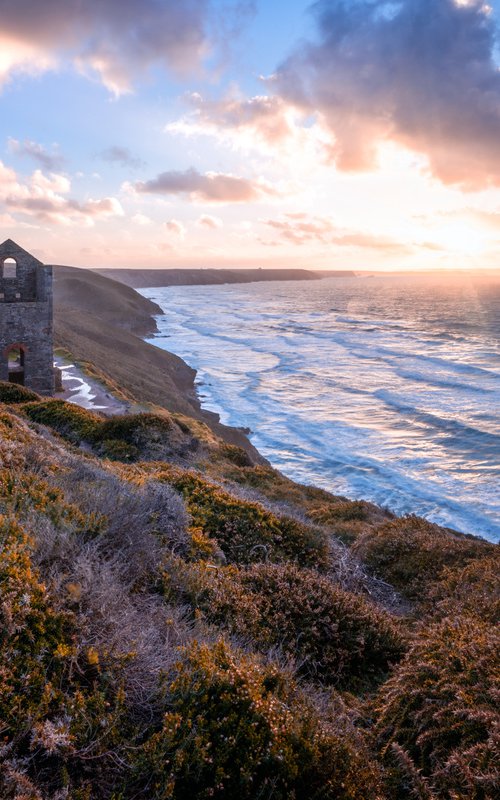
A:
377	390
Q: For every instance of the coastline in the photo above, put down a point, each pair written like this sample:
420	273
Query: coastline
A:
101	323
295	429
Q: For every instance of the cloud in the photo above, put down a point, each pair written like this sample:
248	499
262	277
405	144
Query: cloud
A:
141	219
210	187
265	116
300	229
266	123
42	196
421	73
175	227
115	39
29	149
208	221
122	156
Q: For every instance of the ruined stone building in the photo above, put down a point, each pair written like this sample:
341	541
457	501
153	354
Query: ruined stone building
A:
26	330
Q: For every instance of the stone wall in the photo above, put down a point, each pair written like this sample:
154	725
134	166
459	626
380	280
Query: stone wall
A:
26	319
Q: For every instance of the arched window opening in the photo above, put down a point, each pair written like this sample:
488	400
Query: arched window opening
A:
16	365
10	268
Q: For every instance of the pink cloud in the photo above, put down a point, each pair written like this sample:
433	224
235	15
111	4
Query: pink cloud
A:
42	196
208	187
210	222
301	229
422	73
115	39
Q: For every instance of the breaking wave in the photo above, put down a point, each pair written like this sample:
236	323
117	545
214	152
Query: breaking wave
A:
386	389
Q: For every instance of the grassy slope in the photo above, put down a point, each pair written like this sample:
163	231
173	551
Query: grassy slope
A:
178	622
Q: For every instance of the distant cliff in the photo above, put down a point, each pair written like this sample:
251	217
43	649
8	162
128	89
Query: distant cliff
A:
142	278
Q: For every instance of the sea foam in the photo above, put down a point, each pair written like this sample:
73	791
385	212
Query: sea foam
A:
385	389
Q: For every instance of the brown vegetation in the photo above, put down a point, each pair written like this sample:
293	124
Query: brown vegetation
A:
190	625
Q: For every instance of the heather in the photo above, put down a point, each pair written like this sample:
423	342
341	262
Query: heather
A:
180	622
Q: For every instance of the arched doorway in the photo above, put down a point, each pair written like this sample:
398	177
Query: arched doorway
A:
15	359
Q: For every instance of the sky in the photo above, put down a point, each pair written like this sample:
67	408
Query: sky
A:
342	134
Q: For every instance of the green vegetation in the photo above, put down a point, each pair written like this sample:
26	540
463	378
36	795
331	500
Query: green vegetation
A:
239	728
244	530
12	393
179	623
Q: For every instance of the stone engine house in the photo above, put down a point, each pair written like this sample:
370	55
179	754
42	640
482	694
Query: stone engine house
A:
26	327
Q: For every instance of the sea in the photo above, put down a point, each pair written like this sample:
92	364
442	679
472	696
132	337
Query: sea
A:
383	388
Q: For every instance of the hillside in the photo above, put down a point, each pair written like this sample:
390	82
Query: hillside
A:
142	278
100	323
180	622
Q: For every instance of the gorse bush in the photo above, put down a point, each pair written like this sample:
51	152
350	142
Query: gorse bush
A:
244	530
125	437
69	420
440	709
12	393
164	638
472	590
333	635
411	554
33	638
237	728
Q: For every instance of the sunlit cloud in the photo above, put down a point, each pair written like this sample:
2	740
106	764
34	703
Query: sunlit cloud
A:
142	219
176	227
115	40
210	187
210	222
423	75
42	196
301	229
265	124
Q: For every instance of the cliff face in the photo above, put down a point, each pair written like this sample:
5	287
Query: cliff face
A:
101	322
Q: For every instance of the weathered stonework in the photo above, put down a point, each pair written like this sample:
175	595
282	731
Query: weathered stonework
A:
26	328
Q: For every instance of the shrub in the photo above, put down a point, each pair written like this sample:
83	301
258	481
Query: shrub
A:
67	419
125	437
32	636
118	450
131	427
235	455
411	554
440	710
244	530
13	393
237	729
473	589
333	635
343	510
